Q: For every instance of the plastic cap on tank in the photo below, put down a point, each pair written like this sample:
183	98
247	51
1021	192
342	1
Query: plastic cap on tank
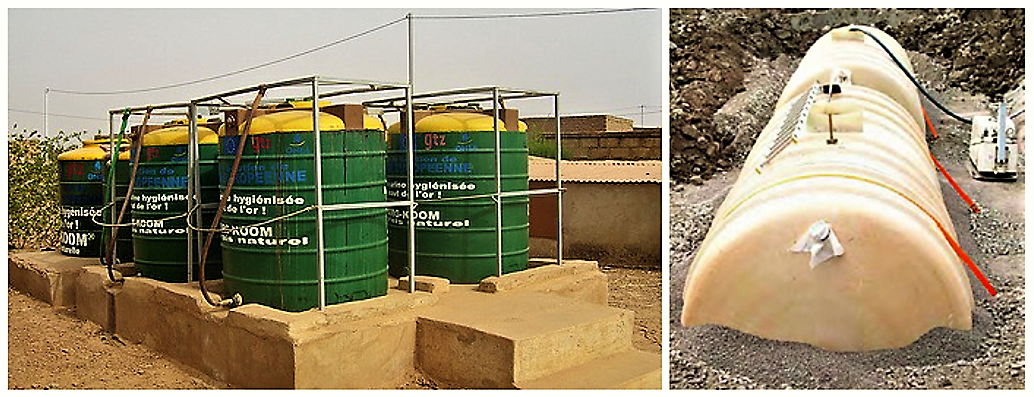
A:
179	135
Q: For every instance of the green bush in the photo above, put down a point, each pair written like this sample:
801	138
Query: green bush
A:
34	217
542	147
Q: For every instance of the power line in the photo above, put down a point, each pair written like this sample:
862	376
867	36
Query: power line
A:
56	115
247	69
530	15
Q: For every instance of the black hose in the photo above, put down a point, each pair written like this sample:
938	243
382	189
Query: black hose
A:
236	300
911	77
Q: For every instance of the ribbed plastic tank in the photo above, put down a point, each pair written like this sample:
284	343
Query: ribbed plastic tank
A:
81	181
842	245
160	192
454	157
124	247
275	264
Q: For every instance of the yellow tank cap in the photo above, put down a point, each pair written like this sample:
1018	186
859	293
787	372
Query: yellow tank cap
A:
178	135
487	121
187	121
292	104
293	121
91	150
372	123
446	122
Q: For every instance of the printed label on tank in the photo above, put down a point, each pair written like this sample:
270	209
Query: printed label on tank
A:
261	174
430	190
255	204
155	201
159	177
260	236
426	219
78	230
79	171
158	227
74	242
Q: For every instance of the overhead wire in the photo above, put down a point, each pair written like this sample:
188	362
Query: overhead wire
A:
531	15
236	72
56	114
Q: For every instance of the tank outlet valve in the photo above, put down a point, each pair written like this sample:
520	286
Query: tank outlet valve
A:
819	241
233	301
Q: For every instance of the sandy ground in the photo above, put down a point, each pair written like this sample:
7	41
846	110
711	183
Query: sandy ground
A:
49	348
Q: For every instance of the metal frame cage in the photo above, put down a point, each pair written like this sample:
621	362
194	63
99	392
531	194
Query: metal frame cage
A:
404	104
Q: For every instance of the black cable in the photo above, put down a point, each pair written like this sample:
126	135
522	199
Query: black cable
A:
56	115
911	77
247	69
529	14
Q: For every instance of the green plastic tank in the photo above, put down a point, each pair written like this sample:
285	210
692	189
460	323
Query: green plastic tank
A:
124	165
81	181
455	157
160	192
276	264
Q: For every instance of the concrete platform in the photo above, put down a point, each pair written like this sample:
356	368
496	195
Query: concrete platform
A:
547	327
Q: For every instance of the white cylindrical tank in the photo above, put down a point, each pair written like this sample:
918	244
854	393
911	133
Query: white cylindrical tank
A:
839	244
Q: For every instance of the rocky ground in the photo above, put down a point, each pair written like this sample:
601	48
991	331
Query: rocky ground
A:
713	50
990	356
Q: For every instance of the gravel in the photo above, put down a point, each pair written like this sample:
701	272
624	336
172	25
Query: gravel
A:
991	355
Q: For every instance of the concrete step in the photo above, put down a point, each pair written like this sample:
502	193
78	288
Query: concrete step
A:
633	369
483	340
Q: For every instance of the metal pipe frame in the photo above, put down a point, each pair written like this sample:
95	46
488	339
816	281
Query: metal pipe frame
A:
498	95
314	82
320	248
191	157
498	185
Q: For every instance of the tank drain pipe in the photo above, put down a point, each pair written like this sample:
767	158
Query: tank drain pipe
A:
135	155
236	299
113	193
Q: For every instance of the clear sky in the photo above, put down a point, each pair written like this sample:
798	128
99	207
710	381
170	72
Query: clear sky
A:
601	63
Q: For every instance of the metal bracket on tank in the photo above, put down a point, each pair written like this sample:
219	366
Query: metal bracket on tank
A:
793	122
819	241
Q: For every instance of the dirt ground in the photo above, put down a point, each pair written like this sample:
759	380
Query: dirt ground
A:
638	290
49	348
990	356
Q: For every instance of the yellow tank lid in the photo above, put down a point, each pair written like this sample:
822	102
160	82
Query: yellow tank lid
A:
187	121
91	150
289	104
446	122
178	135
291	121
457	121
372	123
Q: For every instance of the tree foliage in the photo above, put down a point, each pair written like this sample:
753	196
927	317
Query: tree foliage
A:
33	207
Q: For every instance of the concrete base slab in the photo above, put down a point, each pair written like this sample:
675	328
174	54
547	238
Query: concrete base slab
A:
576	279
533	324
356	345
46	275
630	369
434	285
95	297
494	341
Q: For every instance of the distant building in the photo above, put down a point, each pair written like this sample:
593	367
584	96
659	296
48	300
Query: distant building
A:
600	137
612	211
